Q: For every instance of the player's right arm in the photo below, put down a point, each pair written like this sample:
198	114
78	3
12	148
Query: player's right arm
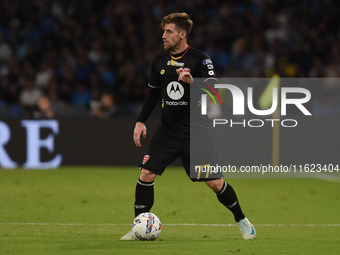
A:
140	129
149	104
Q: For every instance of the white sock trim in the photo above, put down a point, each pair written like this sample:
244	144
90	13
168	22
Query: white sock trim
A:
223	189
145	184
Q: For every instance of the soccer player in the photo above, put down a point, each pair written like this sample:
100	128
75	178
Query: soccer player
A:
171	77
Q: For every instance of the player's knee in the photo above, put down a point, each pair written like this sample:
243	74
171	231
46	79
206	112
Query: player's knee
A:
215	185
147	176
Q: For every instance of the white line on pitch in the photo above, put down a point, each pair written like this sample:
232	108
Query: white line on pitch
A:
169	224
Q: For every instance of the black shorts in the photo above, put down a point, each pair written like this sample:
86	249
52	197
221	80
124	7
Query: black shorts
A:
196	156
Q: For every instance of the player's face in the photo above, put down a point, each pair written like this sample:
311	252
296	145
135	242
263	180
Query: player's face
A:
172	37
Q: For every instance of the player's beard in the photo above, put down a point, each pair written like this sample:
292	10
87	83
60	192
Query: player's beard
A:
172	46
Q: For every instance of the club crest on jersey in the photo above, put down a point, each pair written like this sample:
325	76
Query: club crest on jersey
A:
145	159
174	63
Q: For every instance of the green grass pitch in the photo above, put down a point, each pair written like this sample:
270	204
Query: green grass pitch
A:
85	210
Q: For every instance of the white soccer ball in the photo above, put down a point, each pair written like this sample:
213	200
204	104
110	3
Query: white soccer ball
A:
146	226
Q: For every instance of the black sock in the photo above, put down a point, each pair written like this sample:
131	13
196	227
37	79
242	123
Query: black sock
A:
143	197
228	198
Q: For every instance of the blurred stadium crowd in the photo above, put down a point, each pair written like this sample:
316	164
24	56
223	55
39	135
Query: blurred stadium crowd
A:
66	58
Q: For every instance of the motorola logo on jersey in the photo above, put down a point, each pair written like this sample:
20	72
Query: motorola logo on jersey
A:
175	90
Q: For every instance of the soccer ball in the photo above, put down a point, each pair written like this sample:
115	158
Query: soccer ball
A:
146	227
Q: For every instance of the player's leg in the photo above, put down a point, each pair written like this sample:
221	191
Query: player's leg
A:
144	197
201	152
147	176
227	196
161	152
144	193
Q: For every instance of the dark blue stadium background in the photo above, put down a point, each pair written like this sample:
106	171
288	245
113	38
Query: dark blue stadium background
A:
74	51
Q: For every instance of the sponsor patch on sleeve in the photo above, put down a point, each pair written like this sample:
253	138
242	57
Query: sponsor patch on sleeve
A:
207	61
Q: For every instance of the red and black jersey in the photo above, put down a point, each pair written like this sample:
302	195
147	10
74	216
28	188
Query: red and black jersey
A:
175	94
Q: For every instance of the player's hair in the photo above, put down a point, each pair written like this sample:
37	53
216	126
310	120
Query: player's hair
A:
181	20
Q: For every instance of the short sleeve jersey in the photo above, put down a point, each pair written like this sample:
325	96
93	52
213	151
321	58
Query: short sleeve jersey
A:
175	94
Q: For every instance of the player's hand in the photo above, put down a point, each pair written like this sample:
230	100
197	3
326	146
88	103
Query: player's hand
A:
184	76
140	129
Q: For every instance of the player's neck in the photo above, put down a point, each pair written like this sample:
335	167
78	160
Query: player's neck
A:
181	47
